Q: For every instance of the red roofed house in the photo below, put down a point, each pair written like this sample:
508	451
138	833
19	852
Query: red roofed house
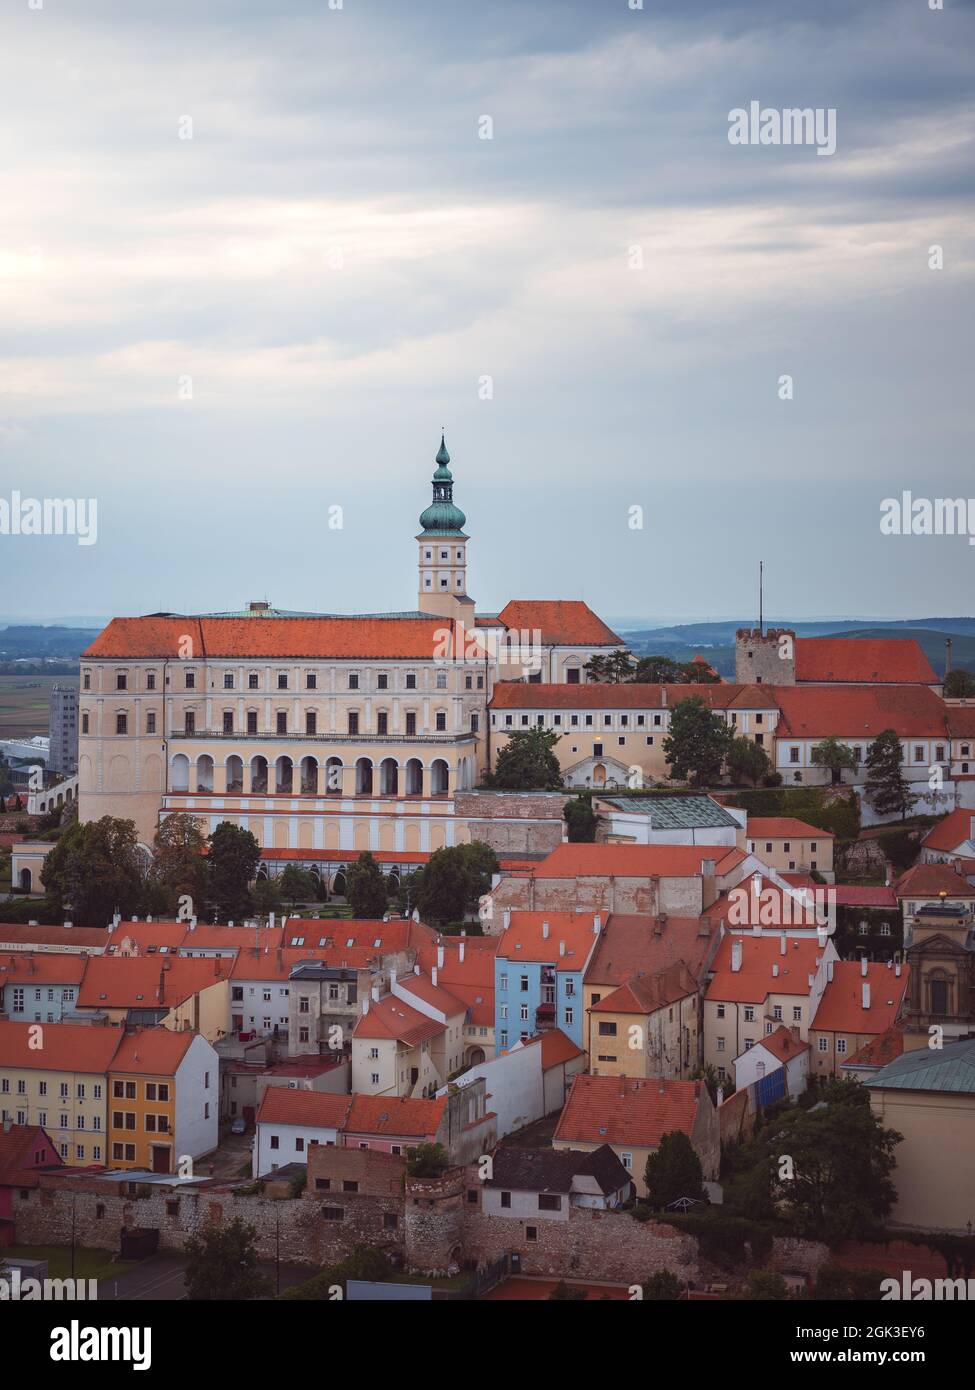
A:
290	1121
787	844
460	1122
40	988
465	967
633	1115
410	1041
952	838
758	983
926	885
776	1050
164	1101
25	1150
862	999
647	1026
776	656
147	990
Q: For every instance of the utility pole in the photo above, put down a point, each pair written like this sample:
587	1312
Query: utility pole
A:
761	627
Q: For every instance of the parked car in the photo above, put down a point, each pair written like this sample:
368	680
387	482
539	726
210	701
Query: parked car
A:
238	1125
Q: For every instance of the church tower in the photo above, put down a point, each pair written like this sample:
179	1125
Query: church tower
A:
443	550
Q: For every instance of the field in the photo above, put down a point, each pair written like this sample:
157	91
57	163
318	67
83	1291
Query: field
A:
24	703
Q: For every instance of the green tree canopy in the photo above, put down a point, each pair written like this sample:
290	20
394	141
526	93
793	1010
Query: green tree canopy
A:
266	896
673	1171
747	761
231	865
581	820
298	885
887	789
959	685
179	863
365	887
698	742
612	667
93	870
527	762
835	756
427	1161
222	1263
663	1286
453	880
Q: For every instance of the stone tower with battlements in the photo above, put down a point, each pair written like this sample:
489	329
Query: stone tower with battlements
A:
765	658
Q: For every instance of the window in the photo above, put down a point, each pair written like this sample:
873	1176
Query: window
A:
190	722
720	1011
121	680
597	750
382	681
333	1214
87	680
353	723
441	721
823	1045
275	1141
228	721
311	680
749	1013
281	722
311	722
506	1199
353	680
793	755
84	722
121	723
252	721
390	1221
282	680
441	680
720	1044
549	1201
382	722
150	722
797	1013
410	680
349	1185
411	723
190	680
252	681
841	1046
627	1161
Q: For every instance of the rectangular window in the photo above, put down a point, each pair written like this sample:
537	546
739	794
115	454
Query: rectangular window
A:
252	681
121	680
252	721
411	723
311	722
121	723
190	680
281	722
228	680
441	722
282	680
382	722
549	1201
311	681
190	722
353	680
150	722
353	723
228	722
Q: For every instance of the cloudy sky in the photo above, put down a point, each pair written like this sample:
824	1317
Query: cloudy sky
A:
254	254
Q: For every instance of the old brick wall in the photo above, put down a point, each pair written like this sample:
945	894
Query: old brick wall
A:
593	1244
434	1222
513	822
806	1256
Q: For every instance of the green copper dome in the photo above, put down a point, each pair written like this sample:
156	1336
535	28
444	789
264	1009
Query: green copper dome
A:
442	518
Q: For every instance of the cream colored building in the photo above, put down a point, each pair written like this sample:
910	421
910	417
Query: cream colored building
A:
410	1041
317	731
646	1027
789	845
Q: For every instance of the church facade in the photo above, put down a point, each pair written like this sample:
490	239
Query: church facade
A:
319	731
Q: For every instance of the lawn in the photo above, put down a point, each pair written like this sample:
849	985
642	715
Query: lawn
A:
88	1264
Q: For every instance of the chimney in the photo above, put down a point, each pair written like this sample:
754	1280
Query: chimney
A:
829	972
506	918
597	923
663	696
433	977
392	978
192	924
863	966
720	1095
897	970
231	922
707	868
756	927
775	970
821	937
866	996
544	931
561	948
365	1005
811	979
270	921
70	924
460	953
782	944
375	993
149	918
736	955
440	956
8	1125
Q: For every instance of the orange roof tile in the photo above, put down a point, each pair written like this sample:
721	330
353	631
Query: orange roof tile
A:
644	994
308	638
44	968
72	1047
952	832
435	995
390	1017
879	1050
145	982
891	659
636	943
396	1116
317	1109
525	938
930	880
784	828
24	1149
859	712
756	978
39	938
629	861
841	1007
623	1110
152	1052
782	1044
471	979
562	622
557	1048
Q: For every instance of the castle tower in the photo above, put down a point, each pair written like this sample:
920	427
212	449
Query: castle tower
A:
443	550
765	658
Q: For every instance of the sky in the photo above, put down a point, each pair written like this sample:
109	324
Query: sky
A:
254	255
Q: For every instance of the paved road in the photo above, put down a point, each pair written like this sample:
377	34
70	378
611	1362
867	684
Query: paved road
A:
160	1278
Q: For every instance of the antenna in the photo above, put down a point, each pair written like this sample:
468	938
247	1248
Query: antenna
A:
761	628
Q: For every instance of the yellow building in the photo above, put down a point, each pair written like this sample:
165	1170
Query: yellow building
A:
178	993
164	1101
789	845
646	1027
410	1041
55	1075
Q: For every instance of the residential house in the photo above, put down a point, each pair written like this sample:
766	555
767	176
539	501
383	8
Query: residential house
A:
165	1100
862	999
173	993
539	969
60	1087
532	1185
777	1052
25	1151
787	844
647	1026
410	1041
465	967
290	1121
40	988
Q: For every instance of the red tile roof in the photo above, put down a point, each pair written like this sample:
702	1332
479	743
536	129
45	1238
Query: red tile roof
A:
784	828
841	1006
635	943
624	1111
421	987
392	1018
961	720
952	832
44	968
930	880
471	979
863	895
783	1045
891	659
395	1116
316	1109
562	622
41	938
755	980
557	1048
71	1047
859	712
879	1050
525	938
342	638
628	861
23	1150
644	994
146	982
152	1052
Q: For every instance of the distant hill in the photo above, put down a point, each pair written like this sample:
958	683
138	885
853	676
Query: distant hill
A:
36	641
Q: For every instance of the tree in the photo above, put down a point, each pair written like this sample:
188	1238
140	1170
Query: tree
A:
527	762
581	820
298	885
698	742
833	754
658	670
365	887
408	891
266	896
567	1293
959	684
887	789
179	862
94	869
613	668
234	855
746	760
445	887
662	1287
836	1183
222	1263
673	1171
765	1284
427	1161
